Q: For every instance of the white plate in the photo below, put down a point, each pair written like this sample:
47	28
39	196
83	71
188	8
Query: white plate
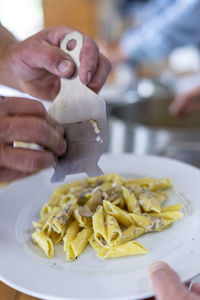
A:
24	267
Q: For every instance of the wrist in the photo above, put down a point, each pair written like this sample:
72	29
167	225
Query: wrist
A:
7	77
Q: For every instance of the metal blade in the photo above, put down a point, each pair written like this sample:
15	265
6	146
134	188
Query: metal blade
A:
86	142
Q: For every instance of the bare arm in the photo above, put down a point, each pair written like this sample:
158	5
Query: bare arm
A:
7	42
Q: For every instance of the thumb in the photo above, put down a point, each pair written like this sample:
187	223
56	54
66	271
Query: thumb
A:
186	102
41	55
179	104
166	283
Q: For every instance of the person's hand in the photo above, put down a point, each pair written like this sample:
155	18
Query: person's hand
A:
27	120
37	63
167	285
186	102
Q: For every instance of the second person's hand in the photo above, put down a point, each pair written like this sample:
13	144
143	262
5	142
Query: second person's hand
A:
186	102
167	285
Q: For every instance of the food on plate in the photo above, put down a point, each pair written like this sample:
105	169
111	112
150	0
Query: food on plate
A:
107	212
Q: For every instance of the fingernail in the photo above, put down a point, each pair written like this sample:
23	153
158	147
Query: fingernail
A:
64	66
62	147
157	266
89	77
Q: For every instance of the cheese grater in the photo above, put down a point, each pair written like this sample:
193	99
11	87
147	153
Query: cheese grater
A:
83	115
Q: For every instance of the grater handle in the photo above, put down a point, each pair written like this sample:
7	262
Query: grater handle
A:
75	53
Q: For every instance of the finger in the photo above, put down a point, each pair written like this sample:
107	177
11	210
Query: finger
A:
46	87
32	130
196	288
24	160
166	283
104	68
19	106
186	102
89	55
195	106
178	105
8	175
55	125
41	55
89	58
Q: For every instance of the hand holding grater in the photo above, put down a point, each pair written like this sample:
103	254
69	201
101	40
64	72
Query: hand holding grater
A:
83	115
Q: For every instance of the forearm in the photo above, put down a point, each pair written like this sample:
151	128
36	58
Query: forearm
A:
7	42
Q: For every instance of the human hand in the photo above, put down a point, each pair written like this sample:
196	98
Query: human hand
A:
185	103
27	121
37	63
167	285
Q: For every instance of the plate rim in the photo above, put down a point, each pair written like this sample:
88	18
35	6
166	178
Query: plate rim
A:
144	295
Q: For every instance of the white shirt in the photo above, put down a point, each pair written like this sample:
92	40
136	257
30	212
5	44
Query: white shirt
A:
173	23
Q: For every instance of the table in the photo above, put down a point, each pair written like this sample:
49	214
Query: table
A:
7	293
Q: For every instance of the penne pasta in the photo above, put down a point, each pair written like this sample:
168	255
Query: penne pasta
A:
70	235
98	222
152	184
44	242
113	230
129	248
175	207
120	215
47	228
78	244
131	201
82	221
151	223
131	233
96	246
149	202
108	212
169	215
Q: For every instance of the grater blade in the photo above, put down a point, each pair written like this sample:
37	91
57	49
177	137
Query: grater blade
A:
84	149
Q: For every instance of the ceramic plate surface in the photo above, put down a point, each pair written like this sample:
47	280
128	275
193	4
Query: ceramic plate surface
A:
24	267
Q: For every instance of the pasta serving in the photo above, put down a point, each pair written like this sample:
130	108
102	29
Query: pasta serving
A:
108	212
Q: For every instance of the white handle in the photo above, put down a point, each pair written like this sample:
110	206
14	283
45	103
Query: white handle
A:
75	101
75	53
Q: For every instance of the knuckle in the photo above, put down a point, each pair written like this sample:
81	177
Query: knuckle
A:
97	83
92	49
40	160
52	57
84	50
24	51
45	135
39	107
92	44
6	129
34	162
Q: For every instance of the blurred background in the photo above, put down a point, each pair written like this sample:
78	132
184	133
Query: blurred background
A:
154	49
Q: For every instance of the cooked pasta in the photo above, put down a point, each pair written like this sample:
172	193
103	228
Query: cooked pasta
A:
106	212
